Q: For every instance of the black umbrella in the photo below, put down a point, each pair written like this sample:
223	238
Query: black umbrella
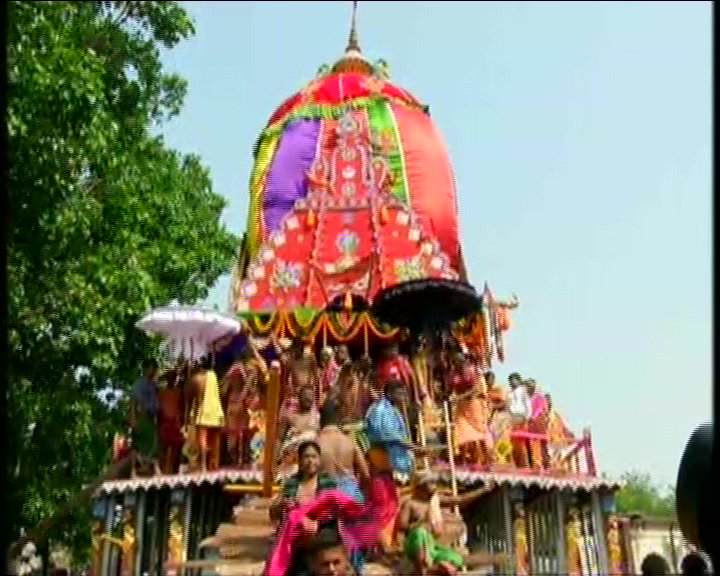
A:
426	305
693	492
427	308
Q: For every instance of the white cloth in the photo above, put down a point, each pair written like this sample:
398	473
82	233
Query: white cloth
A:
519	406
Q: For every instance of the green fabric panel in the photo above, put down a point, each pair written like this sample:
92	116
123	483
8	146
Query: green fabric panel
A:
304	315
145	436
419	540
382	125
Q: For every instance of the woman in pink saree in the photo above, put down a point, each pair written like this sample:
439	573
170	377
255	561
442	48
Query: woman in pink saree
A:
359	525
537	423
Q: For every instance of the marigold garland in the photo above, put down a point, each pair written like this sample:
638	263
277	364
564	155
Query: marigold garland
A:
259	327
282	323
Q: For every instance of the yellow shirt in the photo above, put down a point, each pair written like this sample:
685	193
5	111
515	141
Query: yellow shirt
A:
210	412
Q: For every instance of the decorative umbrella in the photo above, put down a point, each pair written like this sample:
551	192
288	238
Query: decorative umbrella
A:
189	330
426	304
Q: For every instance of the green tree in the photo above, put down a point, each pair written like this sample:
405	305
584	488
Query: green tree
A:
106	221
638	494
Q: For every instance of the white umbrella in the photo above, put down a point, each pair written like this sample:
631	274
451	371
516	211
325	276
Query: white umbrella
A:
189	330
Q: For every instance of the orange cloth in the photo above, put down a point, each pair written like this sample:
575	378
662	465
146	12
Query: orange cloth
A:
207	437
471	420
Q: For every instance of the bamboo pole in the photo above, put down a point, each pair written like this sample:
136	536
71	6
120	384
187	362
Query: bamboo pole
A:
451	451
420	367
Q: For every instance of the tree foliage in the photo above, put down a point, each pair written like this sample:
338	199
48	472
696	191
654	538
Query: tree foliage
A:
106	221
639	494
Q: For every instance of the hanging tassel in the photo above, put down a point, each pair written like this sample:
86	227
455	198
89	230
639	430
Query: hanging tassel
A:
384	217
348	301
311	218
366	339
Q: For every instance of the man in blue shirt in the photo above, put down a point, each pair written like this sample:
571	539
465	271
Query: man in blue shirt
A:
144	411
386	428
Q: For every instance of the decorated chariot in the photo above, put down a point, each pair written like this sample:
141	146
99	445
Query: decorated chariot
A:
351	269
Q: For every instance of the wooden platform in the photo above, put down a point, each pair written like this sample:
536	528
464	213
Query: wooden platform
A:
243	546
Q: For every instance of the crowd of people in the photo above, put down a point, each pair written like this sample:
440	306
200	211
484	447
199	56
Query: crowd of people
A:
337	489
186	418
347	430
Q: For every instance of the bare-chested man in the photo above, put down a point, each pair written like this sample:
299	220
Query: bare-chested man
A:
340	456
421	522
328	371
304	419
297	425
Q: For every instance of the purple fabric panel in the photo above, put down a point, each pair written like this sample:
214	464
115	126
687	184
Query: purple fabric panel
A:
287	177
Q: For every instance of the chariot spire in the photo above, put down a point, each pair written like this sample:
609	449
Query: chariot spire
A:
353	59
353	44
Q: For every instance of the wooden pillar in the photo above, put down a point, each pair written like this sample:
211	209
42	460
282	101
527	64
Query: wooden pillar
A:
600	541
129	536
451	450
140	512
507	521
97	529
177	531
422	378
271	423
560	506
107	551
96	547
189	512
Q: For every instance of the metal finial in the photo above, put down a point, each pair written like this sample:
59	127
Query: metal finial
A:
353	44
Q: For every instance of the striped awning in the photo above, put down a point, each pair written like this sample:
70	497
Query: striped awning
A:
248	476
465	477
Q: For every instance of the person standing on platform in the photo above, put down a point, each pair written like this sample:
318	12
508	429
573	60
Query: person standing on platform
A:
207	416
388	432
328	375
295	427
537	423
472	434
144	408
519	408
170	421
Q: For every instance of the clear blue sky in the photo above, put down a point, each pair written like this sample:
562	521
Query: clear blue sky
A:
580	135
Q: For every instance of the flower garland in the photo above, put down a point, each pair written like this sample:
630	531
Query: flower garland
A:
263	329
323	324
